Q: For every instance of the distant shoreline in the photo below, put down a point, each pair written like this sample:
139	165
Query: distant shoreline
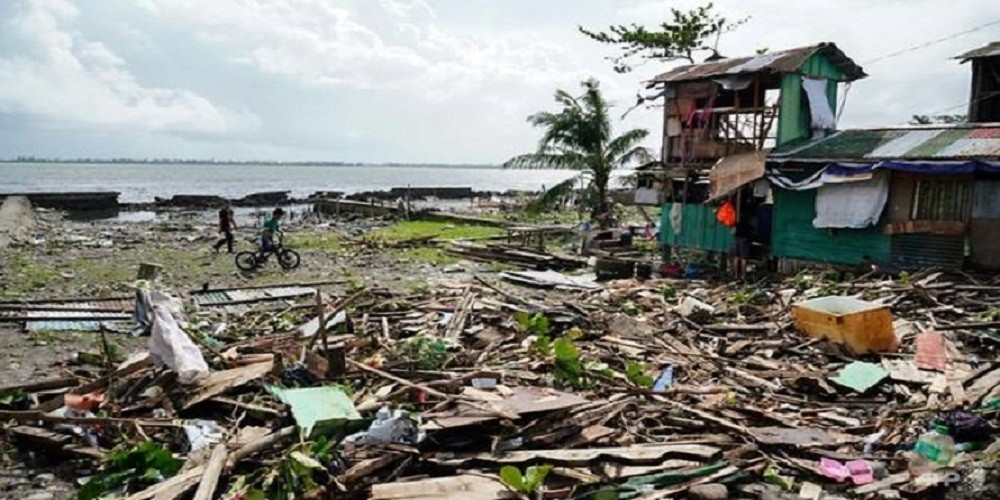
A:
241	163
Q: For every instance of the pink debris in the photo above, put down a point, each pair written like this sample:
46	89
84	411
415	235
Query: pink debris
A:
930	351
861	472
834	469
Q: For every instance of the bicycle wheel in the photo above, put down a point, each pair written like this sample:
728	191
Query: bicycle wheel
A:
246	261
289	259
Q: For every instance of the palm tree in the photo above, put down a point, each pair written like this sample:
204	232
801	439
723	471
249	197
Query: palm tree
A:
579	138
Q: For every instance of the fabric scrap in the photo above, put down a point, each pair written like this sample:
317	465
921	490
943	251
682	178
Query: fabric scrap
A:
855	205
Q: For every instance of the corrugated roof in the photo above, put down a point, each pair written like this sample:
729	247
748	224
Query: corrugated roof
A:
243	296
965	141
784	61
989	50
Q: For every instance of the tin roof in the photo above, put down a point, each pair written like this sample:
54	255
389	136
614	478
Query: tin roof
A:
965	141
784	61
989	50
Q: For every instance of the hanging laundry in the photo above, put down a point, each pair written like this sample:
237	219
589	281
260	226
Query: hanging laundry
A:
819	106
851	205
676	216
726	214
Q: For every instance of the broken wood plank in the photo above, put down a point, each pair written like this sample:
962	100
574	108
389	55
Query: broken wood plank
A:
218	382
637	454
444	488
210	479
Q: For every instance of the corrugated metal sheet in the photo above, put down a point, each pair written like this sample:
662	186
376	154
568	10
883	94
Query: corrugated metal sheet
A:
965	141
917	250
991	49
785	61
250	295
699	229
794	236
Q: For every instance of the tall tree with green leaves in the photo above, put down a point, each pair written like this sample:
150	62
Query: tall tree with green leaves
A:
579	137
687	33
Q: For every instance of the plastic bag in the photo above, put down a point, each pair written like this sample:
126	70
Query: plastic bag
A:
170	346
389	427
726	214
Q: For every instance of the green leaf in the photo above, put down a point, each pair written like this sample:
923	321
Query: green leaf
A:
535	477
636	373
569	367
255	495
511	476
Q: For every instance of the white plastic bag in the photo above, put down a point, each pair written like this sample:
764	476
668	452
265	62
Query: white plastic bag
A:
170	346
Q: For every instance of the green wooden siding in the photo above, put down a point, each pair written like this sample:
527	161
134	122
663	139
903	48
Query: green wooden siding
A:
699	229
793	118
794	236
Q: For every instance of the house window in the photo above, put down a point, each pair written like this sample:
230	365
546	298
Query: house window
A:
942	199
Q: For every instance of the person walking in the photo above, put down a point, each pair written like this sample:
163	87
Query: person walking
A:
227	223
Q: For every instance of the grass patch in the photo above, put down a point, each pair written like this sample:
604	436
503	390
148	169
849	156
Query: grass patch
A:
23	275
425	255
410	230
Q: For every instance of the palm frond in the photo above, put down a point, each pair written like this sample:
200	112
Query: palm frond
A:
638	155
552	196
621	145
568	161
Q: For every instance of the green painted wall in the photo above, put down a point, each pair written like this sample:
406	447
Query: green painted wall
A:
794	236
699	229
793	118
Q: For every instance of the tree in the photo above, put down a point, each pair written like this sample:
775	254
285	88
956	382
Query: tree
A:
579	137
696	30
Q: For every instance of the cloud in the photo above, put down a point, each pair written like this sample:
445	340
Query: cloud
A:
52	72
370	45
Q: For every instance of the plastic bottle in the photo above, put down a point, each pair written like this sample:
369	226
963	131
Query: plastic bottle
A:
933	450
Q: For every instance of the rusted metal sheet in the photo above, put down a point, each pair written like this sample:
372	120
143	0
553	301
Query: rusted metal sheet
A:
784	61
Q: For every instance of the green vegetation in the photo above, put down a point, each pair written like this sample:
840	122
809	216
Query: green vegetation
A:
687	33
23	275
411	230
636	373
427	353
579	137
144	464
572	369
528	483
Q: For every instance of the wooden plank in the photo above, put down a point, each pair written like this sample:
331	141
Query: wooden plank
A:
638	454
210	479
218	382
443	488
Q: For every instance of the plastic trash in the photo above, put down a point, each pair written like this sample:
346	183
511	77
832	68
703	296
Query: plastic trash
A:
484	383
833	469
666	379
966	427
390	426
201	434
170	346
933	450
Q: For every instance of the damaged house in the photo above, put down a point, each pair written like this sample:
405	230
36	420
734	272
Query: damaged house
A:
759	134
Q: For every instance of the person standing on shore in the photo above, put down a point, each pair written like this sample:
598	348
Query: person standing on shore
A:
227	224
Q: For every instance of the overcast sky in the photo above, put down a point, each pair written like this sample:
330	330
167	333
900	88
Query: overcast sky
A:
402	80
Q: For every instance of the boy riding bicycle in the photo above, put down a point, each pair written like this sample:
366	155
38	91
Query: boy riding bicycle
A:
271	228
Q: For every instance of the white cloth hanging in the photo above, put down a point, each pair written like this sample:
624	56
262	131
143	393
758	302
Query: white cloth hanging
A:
819	105
852	205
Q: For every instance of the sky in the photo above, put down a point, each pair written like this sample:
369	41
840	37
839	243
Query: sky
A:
436	81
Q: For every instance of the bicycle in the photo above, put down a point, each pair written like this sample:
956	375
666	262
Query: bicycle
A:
287	258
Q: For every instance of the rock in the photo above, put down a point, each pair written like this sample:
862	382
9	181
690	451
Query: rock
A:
711	491
40	496
46	478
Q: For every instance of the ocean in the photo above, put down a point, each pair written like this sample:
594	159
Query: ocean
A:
141	182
